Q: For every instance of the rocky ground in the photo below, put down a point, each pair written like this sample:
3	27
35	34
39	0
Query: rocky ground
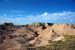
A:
20	37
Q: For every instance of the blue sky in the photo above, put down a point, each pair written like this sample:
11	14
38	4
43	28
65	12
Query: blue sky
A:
28	11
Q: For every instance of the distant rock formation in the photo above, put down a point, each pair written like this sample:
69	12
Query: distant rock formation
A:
7	26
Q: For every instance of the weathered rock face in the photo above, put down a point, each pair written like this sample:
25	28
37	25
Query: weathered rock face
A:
10	45
19	37
7	26
14	37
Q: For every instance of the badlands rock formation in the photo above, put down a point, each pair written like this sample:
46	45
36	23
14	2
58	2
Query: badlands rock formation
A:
13	37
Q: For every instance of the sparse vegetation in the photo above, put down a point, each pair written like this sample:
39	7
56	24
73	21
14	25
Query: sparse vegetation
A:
69	44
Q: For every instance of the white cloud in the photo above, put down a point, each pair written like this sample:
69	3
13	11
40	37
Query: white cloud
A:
16	11
21	15
51	17
5	15
65	16
71	20
44	14
1	16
